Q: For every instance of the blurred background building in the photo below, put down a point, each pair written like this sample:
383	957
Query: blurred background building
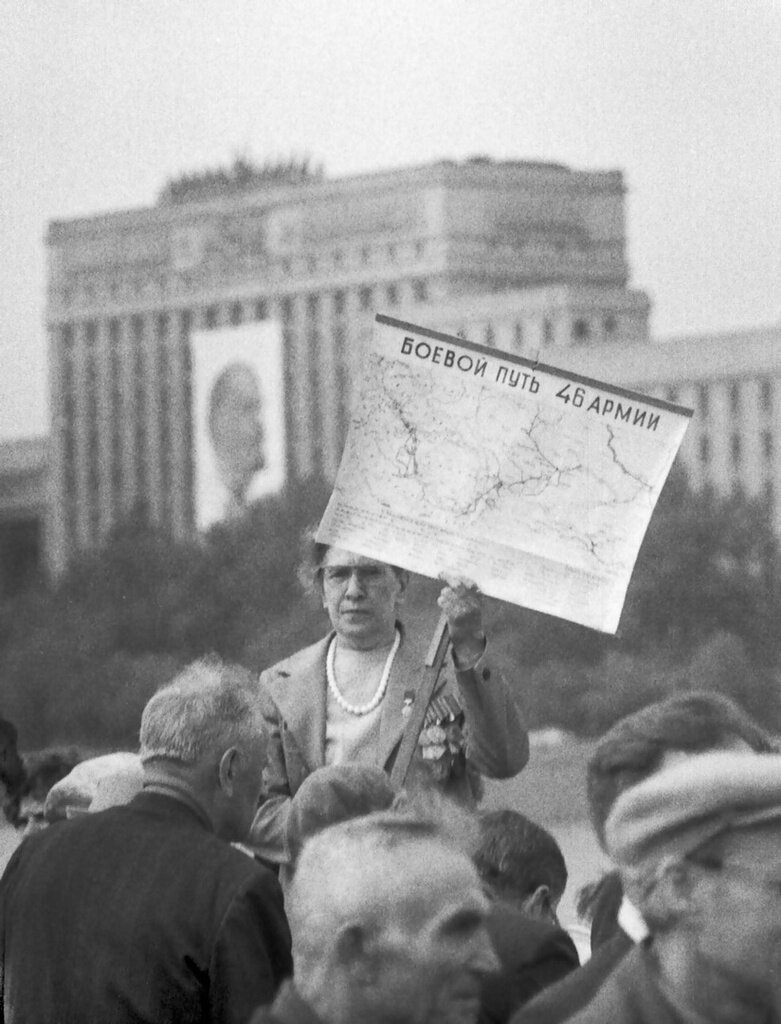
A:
526	257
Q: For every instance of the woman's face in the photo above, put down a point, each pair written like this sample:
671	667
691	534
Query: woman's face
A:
361	597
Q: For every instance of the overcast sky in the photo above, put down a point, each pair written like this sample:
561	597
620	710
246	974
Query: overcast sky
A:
102	100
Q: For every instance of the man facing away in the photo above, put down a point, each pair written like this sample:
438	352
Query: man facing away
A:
389	925
145	912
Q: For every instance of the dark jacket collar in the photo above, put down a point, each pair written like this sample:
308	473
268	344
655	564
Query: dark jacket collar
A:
169	801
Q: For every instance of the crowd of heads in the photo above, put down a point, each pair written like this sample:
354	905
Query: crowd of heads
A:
390	894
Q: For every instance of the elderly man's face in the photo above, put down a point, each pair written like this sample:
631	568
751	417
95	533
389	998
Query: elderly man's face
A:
736	913
361	597
435	949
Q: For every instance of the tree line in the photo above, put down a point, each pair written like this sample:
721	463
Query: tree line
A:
79	659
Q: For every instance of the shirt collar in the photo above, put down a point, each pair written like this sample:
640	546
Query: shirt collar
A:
632	922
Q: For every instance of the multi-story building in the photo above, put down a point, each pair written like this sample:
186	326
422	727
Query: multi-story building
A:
126	290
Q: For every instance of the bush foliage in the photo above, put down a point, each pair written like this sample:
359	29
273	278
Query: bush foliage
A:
78	660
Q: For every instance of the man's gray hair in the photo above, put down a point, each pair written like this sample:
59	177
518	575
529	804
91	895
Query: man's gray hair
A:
208	707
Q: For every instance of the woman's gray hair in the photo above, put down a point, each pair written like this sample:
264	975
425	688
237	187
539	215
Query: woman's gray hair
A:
210	705
310	566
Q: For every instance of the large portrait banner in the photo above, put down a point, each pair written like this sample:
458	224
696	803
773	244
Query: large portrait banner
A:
238	410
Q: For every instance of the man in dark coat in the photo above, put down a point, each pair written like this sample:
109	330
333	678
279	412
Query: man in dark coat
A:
145	912
699	850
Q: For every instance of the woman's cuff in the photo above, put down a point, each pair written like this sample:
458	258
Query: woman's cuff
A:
471	663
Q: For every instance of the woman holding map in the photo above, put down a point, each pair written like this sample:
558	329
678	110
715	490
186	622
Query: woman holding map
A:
346	699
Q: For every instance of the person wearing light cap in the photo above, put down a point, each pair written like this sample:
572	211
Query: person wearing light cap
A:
698	846
333	794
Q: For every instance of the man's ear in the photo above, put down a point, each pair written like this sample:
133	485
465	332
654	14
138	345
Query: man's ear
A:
227	770
403	577
540	904
353	954
673	893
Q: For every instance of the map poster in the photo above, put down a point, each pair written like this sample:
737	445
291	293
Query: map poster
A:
536	483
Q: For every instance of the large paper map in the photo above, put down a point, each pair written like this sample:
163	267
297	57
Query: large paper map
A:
534	482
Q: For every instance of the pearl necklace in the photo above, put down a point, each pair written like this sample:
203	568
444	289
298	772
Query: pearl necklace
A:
345	705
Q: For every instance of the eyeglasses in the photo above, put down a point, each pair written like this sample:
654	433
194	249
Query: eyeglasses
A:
365	575
748	874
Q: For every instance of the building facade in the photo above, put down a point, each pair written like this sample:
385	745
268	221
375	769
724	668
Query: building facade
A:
127	289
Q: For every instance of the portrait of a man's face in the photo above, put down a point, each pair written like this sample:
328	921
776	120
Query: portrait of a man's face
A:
236	428
238	419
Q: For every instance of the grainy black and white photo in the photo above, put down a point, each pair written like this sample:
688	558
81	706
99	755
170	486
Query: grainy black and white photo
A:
390	512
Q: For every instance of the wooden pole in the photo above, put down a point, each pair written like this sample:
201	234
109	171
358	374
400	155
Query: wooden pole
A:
432	666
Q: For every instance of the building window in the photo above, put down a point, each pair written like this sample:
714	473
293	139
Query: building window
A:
286	307
609	325
391	253
704	449
311	264
365	298
338	258
137	327
116	412
490	339
766	396
672	395
420	250
66	339
312	306
236	314
734	397
392	294
580	330
703	399
736	447
116	386
419	291
365	254
260	311
90	333
518	334
339	303
211	317
767	444
547	331
162	326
